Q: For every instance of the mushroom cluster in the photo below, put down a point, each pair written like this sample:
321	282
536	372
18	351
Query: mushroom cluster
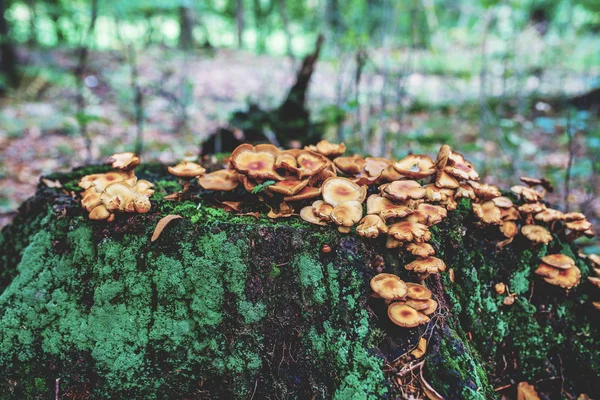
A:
409	304
559	270
595	280
114	191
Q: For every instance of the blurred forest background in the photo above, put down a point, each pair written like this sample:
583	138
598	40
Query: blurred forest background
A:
514	85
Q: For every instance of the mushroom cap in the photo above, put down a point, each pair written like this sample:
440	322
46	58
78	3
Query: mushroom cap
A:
502	202
390	174
375	166
417	292
187	170
547	271
224	179
407	231
415	166
329	149
388	286
124	161
91	201
560	261
405	316
466	191
485	191
488	212
433	305
594	280
100	181
255	161
99	213
525	391
574	216
536	233
550	214
458	167
434	193
428	214
595	259
419	305
392	243
338	190
350	165
430	265
288	187
306	213
307	193
509	229
310	163
347	214
286	159
118	196
510	214
532	208
386	208
421	249
500	287
402	190
579	225
322	210
442	157
445	180
371	226
543	182
141	204
143	187
528	194
566	278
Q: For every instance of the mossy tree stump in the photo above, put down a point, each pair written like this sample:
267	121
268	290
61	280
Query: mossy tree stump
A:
226	306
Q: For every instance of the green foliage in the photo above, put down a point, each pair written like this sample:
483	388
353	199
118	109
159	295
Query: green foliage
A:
262	186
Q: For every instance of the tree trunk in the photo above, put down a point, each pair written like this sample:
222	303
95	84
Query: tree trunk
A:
229	306
186	27
8	56
239	22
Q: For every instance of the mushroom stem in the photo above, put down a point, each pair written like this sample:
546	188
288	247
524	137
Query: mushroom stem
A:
186	186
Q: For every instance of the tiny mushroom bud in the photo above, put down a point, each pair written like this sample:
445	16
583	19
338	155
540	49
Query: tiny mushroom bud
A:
509	300
388	286
500	288
326	249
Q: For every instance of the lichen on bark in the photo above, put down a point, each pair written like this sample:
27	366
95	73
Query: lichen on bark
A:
228	306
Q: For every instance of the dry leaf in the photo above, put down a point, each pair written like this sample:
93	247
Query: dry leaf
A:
162	224
419	351
429	391
232	205
52	184
252	214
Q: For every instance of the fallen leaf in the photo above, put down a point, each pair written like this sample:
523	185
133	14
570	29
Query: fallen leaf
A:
419	351
162	224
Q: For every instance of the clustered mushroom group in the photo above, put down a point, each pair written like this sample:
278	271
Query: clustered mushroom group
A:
376	196
118	190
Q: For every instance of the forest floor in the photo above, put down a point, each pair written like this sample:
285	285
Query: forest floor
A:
186	96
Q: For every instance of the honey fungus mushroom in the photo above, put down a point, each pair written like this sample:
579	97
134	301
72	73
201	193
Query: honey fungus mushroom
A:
402	190
406	316
407	231
427	265
225	180
559	270
257	162
124	161
186	171
338	190
371	226
388	286
536	233
328	149
347	214
415	166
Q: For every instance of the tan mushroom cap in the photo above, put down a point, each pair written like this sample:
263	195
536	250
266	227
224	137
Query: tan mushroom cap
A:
91	201
550	214
428	214
445	180
579	225
144	187
502	202
256	162
536	233
407	231
307	193
224	179
417	292
560	261
286	159
371	226
117	196
187	170
322	210
415	166
465	191
124	161
421	305
288	187
100	213
510	214
525	391
421	249
430	265
528	194
532	182
459	167
434	193
594	280
433	305
329	149
485	191
402	190
390	174
531	208
310	163
100	181
388	286
375	166
596	305
351	165
391	243
509	229
347	214
574	216
595	259
547	271
340	190
306	213
566	278
405	316
386	208
488	212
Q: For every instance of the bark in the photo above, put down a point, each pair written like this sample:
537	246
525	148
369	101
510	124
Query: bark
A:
229	306
8	56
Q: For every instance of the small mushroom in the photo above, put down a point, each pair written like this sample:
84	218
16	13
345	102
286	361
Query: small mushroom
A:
502	202
371	226
257	162
322	210
428	265
402	190
124	161
500	288
417	292
347	214
526	193
388	286
405	316
101	181
509	229
488	212
559	261
525	391
187	171
306	213
458	167
407	231
546	271
415	166
485	191
446	181
510	214
550	215
225	180
536	233
328	149
386	208
421	249
340	190
566	278
465	191
428	214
